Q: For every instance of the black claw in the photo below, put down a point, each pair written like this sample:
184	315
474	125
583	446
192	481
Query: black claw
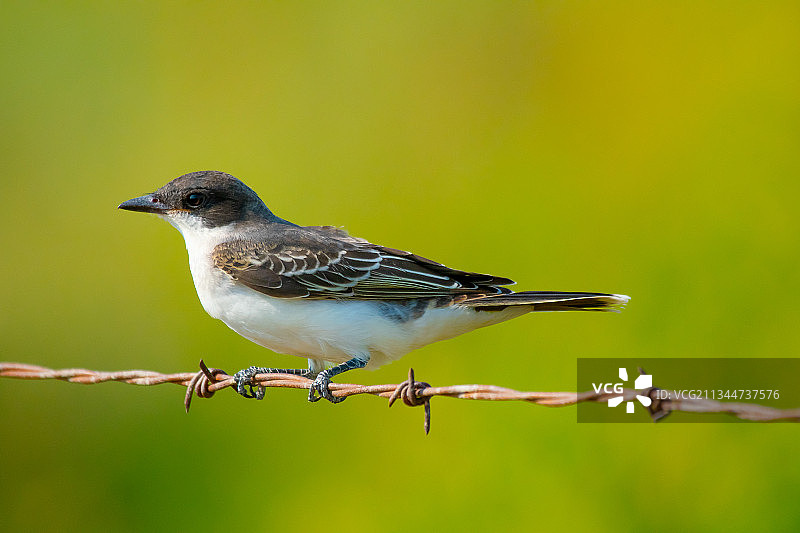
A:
321	385
244	383
313	397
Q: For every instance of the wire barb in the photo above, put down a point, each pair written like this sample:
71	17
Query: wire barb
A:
409	390
201	383
207	381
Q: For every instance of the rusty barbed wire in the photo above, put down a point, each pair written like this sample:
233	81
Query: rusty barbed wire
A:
413	393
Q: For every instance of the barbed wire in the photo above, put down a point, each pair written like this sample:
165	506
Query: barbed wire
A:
207	381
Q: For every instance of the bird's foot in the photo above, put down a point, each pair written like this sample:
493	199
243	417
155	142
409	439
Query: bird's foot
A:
245	383
321	385
322	382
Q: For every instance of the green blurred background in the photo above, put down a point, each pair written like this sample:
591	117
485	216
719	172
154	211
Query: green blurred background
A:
646	149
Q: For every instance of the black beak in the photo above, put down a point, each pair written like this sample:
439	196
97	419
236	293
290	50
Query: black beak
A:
146	204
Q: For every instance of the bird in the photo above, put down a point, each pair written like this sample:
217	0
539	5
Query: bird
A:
317	292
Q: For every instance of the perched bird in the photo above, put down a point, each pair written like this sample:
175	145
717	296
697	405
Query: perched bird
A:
317	292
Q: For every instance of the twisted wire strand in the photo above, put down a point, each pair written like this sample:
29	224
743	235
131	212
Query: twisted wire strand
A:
207	381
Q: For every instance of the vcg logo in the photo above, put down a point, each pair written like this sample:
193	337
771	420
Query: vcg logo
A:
644	381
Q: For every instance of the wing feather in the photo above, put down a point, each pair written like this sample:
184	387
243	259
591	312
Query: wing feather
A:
325	262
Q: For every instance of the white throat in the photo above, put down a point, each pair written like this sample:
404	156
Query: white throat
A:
200	242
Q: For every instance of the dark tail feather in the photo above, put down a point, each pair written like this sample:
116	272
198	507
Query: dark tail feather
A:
552	301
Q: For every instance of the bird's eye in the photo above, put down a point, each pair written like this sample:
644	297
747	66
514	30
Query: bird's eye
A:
195	200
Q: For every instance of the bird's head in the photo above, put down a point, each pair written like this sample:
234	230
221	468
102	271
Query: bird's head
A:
205	199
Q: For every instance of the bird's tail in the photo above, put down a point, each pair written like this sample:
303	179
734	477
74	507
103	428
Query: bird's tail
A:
551	301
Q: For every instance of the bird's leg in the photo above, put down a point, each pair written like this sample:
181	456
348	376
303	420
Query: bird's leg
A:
244	379
322	381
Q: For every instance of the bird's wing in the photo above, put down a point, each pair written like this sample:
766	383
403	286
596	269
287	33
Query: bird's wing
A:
325	262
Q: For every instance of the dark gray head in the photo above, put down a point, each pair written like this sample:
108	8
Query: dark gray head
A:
210	198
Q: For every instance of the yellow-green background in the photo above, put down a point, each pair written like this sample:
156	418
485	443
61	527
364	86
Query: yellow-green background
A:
643	148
